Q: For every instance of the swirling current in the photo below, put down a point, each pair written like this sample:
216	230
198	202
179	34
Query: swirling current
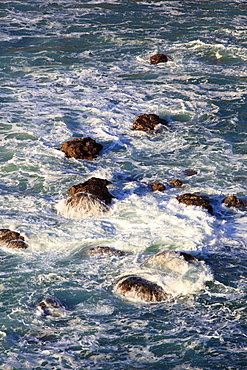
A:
72	69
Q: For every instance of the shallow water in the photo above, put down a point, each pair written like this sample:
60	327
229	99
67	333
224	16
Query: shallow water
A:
73	69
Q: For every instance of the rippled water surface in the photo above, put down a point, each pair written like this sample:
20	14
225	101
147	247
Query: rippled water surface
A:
71	69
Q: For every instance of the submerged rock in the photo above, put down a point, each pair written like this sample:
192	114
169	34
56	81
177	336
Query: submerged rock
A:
147	122
103	251
179	262
233	201
140	289
12	239
175	182
82	148
195	200
51	307
157	186
81	205
158	58
94	186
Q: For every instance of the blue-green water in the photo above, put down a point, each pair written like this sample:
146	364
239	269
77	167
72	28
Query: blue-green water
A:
72	69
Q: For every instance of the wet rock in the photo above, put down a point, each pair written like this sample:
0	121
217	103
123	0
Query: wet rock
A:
103	251
233	201
157	186
190	172
140	289
81	205
12	239
51	307
195	200
82	148
147	122
165	256
158	58
175	182
94	186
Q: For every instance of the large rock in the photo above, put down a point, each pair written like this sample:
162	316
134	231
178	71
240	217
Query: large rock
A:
94	186
140	289
12	239
83	148
195	200
233	201
158	58
147	122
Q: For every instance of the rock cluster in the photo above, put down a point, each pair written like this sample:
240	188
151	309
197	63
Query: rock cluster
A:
233	201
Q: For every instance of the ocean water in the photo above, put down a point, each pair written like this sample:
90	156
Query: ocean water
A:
71	69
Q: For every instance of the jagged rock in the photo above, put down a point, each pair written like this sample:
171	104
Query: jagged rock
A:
158	58
51	307
103	251
233	201
195	200
157	186
176	182
12	239
138	288
82	148
94	186
147	122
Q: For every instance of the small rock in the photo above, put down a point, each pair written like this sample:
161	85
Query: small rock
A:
190	172
176	182
140	289
233	201
158	58
157	186
147	122
51	307
195	200
82	148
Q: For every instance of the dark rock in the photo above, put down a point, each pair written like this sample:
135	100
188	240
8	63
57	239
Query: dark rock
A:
157	186
176	182
12	239
195	200
83	148
164	255
233	201
147	122
190	172
103	251
94	186
158	58
137	288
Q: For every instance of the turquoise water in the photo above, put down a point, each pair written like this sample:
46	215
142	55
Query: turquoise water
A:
73	69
